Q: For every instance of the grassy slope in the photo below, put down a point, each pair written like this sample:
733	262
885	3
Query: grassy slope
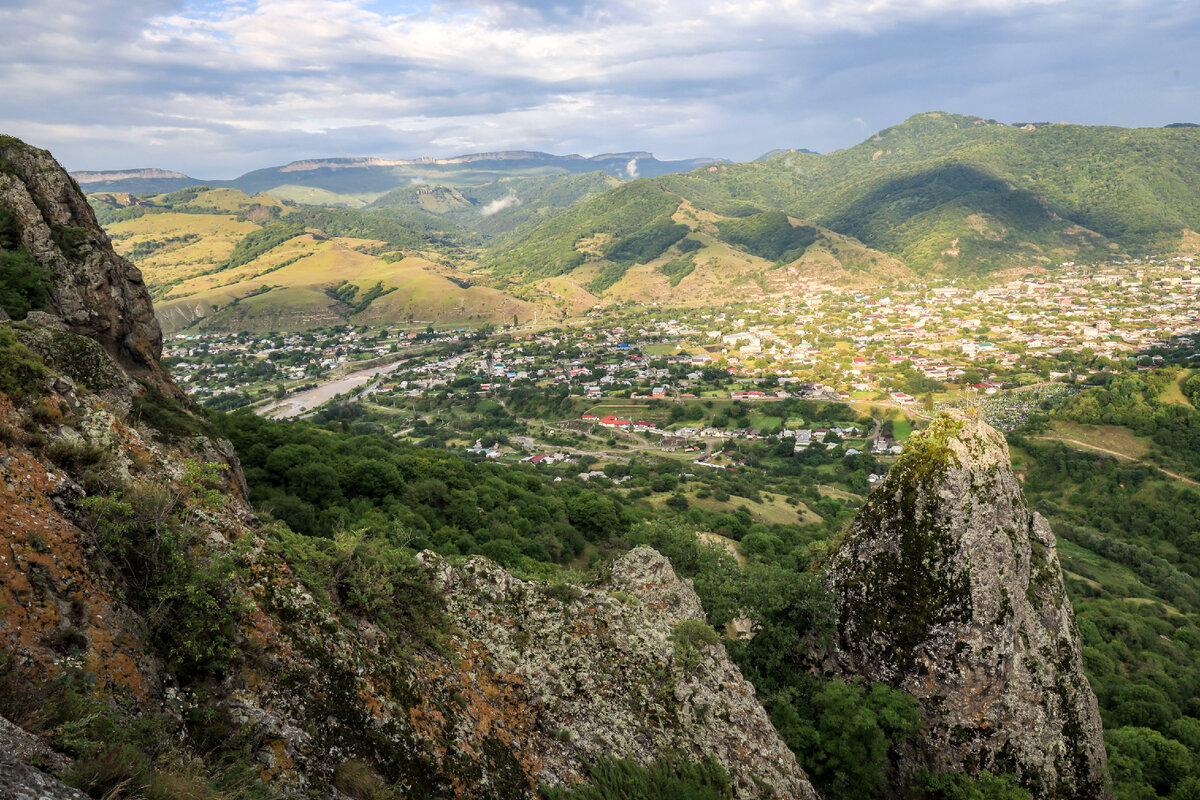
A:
571	247
525	200
284	288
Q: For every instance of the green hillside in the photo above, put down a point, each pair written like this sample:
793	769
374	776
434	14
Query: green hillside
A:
943	193
644	241
500	207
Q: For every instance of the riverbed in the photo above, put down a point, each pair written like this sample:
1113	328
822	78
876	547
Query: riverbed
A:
303	402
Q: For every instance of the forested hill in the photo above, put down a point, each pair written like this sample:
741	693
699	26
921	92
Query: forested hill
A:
943	193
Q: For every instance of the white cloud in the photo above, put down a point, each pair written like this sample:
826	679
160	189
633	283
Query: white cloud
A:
631	169
509	200
215	87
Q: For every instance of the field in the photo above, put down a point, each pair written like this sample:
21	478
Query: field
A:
773	510
1174	391
216	236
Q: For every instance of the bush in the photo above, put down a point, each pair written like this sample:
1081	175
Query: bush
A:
669	779
75	456
24	284
984	786
168	417
21	371
689	637
359	781
187	595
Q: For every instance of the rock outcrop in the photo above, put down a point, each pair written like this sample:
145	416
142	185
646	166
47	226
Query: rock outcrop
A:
19	779
96	293
513	683
601	672
948	587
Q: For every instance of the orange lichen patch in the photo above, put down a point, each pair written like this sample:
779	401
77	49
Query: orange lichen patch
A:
261	630
370	695
52	600
280	762
465	705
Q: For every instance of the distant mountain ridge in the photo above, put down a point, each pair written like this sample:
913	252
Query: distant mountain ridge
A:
943	193
149	173
375	175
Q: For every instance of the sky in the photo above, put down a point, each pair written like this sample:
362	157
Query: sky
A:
215	88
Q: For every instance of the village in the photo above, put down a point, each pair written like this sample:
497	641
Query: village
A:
689	379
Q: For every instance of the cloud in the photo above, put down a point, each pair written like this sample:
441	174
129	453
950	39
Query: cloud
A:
631	169
217	87
509	200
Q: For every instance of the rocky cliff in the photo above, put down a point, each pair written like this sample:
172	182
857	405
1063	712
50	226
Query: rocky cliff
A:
949	588
96	293
156	638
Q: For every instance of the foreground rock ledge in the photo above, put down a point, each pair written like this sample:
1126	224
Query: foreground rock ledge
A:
599	673
948	587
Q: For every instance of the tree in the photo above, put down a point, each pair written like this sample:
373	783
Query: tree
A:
593	514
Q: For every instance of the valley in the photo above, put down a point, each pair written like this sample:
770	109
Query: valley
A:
557	483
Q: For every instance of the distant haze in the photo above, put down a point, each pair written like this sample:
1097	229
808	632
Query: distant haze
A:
214	88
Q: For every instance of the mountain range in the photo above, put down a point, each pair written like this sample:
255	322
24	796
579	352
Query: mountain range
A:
511	234
360	176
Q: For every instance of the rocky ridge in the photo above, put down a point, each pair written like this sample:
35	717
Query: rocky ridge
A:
96	293
948	587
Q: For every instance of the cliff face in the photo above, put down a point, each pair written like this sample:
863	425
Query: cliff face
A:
131	571
949	588
96	293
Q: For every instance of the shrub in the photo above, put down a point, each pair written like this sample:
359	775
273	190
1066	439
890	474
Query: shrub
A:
168	417
75	456
358	780
187	595
689	637
672	778
21	371
24	284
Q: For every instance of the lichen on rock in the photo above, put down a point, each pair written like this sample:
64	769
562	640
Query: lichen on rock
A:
948	587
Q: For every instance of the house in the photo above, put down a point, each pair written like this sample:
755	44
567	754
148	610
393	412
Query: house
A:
613	422
590	417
